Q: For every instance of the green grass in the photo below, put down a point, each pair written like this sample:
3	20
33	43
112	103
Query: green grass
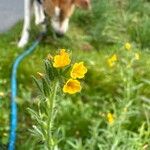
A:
83	116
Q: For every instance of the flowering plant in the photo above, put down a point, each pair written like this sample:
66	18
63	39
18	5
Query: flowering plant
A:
123	63
60	77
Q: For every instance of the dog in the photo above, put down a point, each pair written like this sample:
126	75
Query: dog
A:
59	12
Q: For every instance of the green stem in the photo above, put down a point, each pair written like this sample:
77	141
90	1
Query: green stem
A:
128	89
51	118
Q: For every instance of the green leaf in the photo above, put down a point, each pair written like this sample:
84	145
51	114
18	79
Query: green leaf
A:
37	84
66	69
46	87
49	70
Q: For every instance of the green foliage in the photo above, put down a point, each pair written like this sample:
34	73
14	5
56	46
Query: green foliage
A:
140	32
45	116
81	121
92	130
116	21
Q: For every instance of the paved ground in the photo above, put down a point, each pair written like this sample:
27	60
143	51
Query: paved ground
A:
10	12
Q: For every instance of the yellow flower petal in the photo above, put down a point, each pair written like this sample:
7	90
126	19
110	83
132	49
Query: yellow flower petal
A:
114	57
62	59
72	86
78	70
127	46
110	118
111	61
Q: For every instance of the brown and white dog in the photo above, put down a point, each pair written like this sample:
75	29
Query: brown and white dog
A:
59	12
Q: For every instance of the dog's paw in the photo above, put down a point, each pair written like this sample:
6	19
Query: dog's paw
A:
24	40
39	20
22	43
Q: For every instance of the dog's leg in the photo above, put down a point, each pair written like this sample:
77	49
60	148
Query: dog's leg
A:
39	13
43	18
27	19
40	16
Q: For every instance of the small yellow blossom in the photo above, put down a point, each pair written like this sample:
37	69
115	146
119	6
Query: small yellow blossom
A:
78	70
114	57
72	86
49	57
137	56
112	60
127	46
2	94
110	118
41	75
62	59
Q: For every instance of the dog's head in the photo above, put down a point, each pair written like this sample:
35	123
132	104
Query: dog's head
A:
60	12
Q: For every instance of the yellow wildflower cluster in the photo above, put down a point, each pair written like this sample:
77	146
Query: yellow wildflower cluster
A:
78	71
112	60
110	118
72	85
128	46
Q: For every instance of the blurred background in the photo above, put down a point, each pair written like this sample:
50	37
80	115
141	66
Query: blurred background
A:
10	13
94	37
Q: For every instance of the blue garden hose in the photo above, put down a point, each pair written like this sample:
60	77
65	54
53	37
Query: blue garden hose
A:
13	112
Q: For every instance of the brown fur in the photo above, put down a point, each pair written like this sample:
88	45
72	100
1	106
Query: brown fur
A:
66	7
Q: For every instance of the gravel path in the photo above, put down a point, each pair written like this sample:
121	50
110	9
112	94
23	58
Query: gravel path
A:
10	12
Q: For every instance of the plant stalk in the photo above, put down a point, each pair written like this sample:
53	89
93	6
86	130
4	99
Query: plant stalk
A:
52	100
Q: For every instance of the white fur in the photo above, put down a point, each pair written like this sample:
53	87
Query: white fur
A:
39	18
26	27
57	11
59	28
39	13
64	26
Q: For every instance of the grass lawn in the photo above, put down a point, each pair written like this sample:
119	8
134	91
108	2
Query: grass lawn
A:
112	112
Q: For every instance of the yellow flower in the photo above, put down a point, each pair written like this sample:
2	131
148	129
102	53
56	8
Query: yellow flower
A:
114	57
62	59
72	86
127	46
137	56
78	70
112	60
110	118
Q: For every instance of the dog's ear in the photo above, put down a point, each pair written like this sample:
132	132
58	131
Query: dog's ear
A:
85	4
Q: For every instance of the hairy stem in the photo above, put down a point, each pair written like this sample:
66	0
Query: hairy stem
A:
51	118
